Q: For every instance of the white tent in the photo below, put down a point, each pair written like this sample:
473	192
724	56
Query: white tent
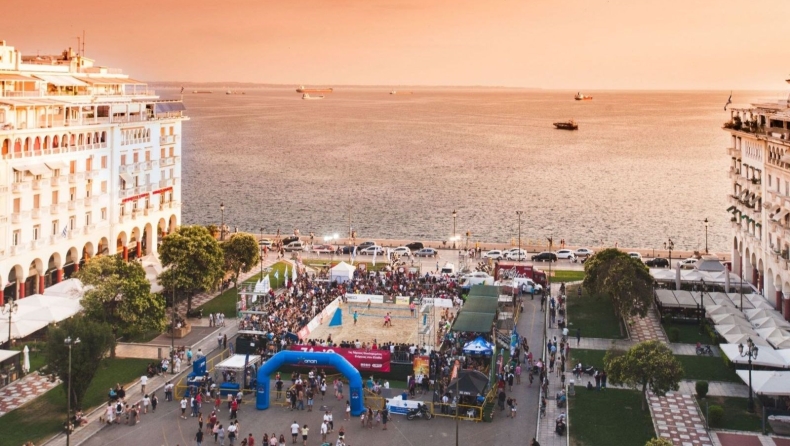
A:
770	322
20	328
71	288
741	338
44	300
734	329
766	357
765	382
713	310
731	318
153	268
236	362
342	272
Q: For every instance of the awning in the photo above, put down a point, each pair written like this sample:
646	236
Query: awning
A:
127	178
8	354
55	165
35	169
730	209
780	216
774	211
5	77
166	107
103	80
61	80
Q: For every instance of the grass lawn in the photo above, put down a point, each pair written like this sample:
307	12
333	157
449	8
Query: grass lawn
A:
567	276
736	417
225	303
688	333
594	315
587	358
608	418
45	416
708	368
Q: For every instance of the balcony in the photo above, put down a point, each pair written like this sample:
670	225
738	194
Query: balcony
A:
731	151
167	161
57	208
37	184
91	201
75	177
74	204
35	213
72	233
92	174
126	193
166	183
19	217
18	249
57	181
167	139
148	165
53	239
39	243
87	230
130	168
20	187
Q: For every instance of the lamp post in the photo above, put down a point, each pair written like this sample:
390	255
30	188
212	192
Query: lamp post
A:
69	343
222	228
669	245
751	353
173	335
519	234
706	235
455	215
10	308
260	247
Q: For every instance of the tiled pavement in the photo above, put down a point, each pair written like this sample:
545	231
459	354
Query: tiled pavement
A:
646	328
677	419
606	344
23	390
746	439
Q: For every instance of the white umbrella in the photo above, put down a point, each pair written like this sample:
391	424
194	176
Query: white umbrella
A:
712	310
26	360
757	313
730	319
770	322
741	338
734	329
20	328
677	278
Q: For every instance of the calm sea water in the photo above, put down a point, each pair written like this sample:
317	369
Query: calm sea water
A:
642	167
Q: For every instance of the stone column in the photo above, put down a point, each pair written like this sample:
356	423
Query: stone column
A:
139	250
41	284
2	295
125	254
22	285
786	306
778	301
59	277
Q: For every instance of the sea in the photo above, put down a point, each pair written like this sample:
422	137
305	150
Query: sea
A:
643	167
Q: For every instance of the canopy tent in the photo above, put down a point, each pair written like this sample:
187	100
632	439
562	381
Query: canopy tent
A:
484	291
20	328
236	362
767	382
767	357
734	329
732	318
342	272
8	354
769	322
742	338
70	288
474	322
713	310
694	276
47	314
469	382
773	335
479	346
153	268
479	304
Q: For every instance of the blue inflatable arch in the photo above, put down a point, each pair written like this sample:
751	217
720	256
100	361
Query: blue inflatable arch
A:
311	359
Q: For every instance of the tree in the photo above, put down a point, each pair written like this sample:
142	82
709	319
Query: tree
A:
659	442
647	364
193	260
120	295
96	339
241	253
625	280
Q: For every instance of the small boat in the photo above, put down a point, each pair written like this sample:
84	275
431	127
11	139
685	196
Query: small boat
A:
228	92
309	98
201	91
581	97
302	89
393	92
567	125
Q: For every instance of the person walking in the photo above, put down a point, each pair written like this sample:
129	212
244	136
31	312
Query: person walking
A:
154	403
578	336
199	437
385	417
143	382
294	431
305	431
184	404
324	430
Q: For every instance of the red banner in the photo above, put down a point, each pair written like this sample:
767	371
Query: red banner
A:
363	360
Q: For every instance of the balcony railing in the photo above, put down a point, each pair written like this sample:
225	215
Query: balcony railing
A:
169	161
57	208
58	180
17	249
53	239
20	187
167	139
35	213
75	177
36	244
92	174
36	184
19	217
74	204
54	151
87	230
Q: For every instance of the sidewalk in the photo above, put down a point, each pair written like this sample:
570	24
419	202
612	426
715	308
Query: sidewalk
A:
606	344
23	390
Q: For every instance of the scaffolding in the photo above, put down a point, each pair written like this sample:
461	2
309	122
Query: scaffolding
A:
426	323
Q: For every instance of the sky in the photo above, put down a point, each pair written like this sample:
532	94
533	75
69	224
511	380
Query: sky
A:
553	44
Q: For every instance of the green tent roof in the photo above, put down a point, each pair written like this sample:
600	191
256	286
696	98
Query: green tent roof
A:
478	322
477	304
484	290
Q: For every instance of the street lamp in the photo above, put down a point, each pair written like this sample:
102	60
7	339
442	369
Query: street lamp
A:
455	215
519	234
669	245
751	353
68	341
706	235
10	308
260	247
222	228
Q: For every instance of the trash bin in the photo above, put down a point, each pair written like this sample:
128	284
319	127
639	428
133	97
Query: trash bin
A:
404	396
571	388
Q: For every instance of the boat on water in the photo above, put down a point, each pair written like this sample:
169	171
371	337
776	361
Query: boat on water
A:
302	89
201	91
567	125
393	92
581	97
309	98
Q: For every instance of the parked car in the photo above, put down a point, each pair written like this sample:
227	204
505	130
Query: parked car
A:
689	263
426	252
476	278
565	254
294	246
265	242
494	254
402	251
584	252
289	239
415	246
324	249
526	285
370	250
516	254
364	245
635	255
545	256
658	262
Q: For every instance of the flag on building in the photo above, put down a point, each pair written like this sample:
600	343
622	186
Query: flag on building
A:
65	231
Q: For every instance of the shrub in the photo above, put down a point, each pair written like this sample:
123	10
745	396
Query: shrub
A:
702	388
674	335
715	415
658	442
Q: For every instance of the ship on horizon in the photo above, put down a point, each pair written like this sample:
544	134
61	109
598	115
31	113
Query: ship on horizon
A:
302	89
580	97
307	97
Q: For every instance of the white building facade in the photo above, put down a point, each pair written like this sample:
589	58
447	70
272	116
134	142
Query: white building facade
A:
91	166
760	198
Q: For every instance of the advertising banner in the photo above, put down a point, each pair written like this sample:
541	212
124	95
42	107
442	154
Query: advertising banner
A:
422	365
362	360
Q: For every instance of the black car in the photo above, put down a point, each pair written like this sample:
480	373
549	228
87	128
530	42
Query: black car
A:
364	245
658	262
545	257
415	246
289	239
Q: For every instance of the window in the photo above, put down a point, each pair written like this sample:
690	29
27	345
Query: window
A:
769	180
148	155
104	187
36	232
87	219
17	205
172	152
104	214
72	193
72	222
17	237
123	209
54	197
89	164
88	188
171	174
55	172
104	162
36	201
171	130
20	176
55	228
162	153
148	178
123	160
135	157
73	167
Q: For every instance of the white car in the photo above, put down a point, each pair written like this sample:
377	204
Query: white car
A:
265	242
516	254
295	246
530	285
635	255
477	278
565	254
689	263
494	254
370	250
584	252
402	251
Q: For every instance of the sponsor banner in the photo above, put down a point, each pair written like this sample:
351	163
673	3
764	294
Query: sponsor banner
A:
422	365
400	406
389	299
325	314
363	298
442	303
363	360
402	300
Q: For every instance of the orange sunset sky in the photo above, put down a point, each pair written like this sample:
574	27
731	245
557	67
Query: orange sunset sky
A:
573	44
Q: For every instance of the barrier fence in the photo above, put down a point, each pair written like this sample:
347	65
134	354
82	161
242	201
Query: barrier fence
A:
181	388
